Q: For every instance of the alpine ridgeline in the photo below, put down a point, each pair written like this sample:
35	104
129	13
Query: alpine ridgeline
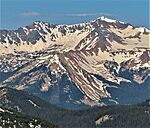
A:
94	63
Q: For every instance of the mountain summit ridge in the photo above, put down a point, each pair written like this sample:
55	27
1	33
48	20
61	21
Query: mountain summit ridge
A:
94	63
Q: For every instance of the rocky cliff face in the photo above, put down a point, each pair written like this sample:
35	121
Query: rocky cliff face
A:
100	62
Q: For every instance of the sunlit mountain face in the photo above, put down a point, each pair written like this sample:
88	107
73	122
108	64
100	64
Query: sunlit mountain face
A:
101	62
74	64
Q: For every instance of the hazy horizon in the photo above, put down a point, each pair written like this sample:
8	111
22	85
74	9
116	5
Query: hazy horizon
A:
15	14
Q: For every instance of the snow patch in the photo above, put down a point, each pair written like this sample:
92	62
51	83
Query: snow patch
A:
34	104
2	110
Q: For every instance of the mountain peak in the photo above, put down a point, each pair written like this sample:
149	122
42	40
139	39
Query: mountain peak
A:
91	56
109	20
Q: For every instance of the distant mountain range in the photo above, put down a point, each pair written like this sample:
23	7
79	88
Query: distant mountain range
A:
101	62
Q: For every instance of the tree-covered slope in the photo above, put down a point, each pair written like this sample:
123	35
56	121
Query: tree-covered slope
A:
116	116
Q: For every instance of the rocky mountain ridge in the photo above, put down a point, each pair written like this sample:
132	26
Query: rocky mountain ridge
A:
71	65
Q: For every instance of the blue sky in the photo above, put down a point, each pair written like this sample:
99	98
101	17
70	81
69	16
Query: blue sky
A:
17	13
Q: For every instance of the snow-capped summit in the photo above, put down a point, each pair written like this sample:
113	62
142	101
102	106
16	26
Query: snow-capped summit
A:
78	64
103	18
108	20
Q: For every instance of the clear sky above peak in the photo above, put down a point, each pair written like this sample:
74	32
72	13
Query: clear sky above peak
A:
17	13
